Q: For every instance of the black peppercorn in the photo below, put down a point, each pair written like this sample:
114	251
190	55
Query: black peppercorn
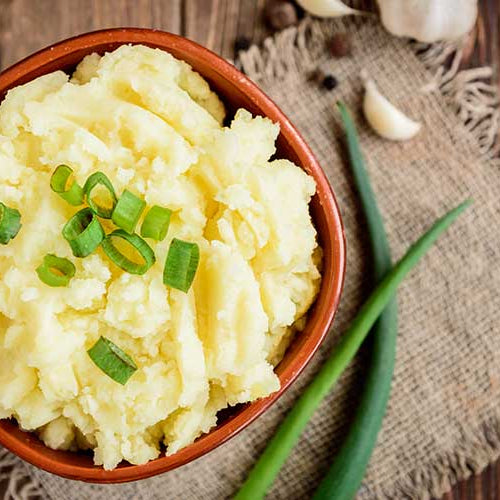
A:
280	14
242	43
329	82
340	45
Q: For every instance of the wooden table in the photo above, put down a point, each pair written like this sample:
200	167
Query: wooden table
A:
28	25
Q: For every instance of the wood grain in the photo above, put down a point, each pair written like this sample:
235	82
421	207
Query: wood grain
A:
28	25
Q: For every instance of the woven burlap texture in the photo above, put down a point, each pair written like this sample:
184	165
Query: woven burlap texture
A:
443	417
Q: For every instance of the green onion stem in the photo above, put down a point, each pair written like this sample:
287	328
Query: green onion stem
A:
287	435
349	465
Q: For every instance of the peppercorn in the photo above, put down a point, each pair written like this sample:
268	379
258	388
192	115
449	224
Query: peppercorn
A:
242	43
280	14
329	82
340	45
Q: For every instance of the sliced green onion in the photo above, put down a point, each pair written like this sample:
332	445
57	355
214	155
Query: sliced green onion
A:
115	363
127	211
10	223
156	223
55	271
181	264
143	249
95	180
83	232
71	192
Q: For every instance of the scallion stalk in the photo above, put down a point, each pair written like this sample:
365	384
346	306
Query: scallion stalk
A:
347	470
281	444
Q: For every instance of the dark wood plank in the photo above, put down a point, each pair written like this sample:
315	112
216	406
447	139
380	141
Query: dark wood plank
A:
448	496
204	22
496	468
217	23
491	490
261	30
26	26
248	19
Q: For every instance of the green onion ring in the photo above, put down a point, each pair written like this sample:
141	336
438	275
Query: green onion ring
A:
156	222
114	362
98	178
59	184
10	223
51	262
123	262
127	211
181	264
83	232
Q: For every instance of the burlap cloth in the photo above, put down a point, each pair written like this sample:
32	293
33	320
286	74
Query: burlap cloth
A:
443	419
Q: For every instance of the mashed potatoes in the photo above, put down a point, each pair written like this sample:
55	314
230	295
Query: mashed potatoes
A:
152	125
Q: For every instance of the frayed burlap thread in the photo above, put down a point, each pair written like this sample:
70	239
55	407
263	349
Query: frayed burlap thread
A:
443	420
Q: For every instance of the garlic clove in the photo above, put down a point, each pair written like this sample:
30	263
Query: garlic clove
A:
428	20
385	119
327	8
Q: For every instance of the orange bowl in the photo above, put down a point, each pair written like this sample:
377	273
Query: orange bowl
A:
236	90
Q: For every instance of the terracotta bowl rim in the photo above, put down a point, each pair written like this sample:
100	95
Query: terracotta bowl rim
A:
333	277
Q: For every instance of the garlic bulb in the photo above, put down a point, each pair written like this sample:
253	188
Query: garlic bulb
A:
387	120
327	8
428	20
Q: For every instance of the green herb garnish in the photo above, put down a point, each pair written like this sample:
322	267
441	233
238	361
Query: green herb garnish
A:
56	271
156	223
99	180
63	183
10	223
128	211
135	244
181	264
83	232
114	362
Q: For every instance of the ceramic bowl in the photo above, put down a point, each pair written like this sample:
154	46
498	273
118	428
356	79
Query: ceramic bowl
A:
236	90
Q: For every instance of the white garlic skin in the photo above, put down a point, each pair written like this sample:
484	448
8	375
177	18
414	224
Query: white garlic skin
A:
428	20
385	119
327	8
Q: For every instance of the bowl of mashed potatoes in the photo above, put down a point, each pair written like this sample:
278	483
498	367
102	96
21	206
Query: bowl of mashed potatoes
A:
121	362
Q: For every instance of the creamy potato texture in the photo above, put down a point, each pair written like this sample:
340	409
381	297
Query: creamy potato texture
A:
153	126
